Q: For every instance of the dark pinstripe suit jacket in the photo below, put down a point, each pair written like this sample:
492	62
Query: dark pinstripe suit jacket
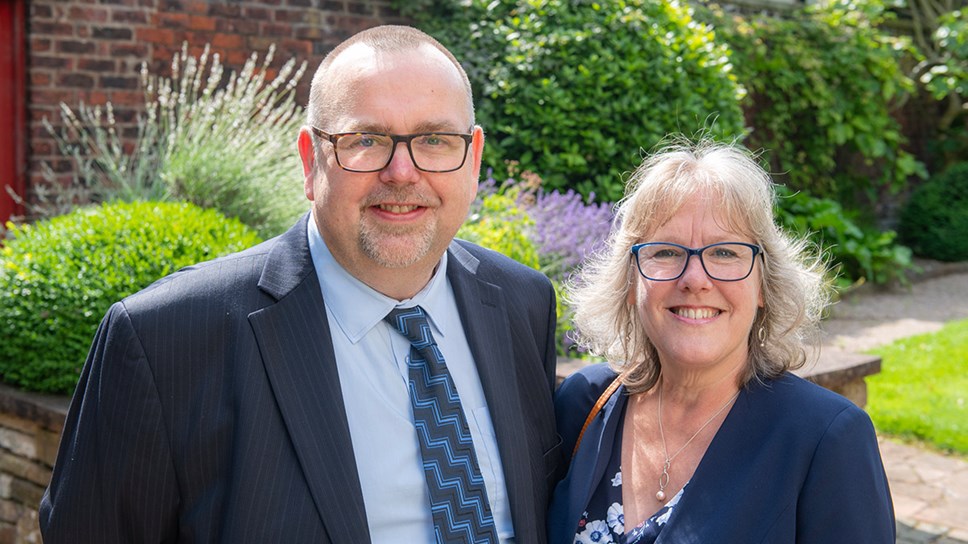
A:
210	410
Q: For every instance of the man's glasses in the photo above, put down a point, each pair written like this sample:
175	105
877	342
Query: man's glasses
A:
725	261
373	151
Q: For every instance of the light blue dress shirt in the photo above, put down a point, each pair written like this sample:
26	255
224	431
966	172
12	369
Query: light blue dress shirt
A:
371	360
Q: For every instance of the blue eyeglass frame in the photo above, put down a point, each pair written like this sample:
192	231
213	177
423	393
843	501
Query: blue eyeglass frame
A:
757	250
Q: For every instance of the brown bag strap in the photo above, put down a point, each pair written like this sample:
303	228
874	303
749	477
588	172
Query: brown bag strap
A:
597	408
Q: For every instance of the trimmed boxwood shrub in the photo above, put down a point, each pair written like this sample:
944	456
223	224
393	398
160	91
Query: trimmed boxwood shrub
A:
59	276
935	220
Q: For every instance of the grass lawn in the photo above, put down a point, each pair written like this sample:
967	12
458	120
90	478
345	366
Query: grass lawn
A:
921	392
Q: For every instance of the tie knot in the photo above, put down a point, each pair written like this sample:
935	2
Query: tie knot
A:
413	324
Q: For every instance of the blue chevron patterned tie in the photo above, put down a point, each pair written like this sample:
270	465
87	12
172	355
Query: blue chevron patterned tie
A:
458	500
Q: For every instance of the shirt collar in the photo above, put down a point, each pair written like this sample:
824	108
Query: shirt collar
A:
357	307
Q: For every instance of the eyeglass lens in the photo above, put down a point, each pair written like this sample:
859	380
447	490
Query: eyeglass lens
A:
726	261
369	151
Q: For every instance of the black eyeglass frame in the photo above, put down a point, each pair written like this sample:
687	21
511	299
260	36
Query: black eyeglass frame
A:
757	250
396	139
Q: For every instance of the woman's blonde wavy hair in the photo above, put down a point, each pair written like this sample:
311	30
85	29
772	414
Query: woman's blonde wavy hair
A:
794	278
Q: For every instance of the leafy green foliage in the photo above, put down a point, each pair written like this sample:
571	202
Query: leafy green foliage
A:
224	145
59	276
498	223
822	87
935	220
575	89
861	254
948	73
920	391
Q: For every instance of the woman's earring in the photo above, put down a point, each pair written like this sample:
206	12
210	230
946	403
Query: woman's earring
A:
761	336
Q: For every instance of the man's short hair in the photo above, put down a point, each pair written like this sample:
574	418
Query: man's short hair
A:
383	39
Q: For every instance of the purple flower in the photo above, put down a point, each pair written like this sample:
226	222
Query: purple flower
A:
567	229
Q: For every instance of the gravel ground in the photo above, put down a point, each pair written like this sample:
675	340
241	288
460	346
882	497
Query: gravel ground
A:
870	317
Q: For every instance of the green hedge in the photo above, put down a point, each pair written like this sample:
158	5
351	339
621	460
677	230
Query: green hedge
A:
935	220
574	90
59	276
823	84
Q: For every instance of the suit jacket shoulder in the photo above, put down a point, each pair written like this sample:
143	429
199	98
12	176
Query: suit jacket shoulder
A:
498	268
210	280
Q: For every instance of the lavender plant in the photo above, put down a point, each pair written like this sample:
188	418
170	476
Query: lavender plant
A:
225	146
232	148
567	229
562	229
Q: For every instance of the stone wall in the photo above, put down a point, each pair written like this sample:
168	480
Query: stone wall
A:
91	51
30	427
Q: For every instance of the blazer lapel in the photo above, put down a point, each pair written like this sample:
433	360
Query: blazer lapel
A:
296	347
484	314
718	477
596	453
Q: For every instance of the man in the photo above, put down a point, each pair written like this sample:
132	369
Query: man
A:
263	397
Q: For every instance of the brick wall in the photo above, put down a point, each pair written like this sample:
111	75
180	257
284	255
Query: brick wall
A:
91	51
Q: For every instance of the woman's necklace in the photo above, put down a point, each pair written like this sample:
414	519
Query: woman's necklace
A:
664	477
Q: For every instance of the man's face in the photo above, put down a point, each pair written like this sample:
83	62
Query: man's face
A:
399	218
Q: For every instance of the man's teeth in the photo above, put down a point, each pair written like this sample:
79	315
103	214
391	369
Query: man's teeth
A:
397	209
696	313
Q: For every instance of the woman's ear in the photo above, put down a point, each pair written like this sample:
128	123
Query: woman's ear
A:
632	295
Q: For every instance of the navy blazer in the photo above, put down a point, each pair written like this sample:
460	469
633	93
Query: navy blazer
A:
792	462
209	409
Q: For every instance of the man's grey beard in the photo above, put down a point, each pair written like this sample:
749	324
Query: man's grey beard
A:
386	255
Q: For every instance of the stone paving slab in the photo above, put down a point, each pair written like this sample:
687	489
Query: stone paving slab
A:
930	493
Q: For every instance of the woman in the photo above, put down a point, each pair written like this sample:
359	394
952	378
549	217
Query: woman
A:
702	305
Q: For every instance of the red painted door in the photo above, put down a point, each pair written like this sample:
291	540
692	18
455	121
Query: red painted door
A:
12	106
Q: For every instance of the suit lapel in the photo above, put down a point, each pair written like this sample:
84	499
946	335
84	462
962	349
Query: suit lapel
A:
484	315
296	347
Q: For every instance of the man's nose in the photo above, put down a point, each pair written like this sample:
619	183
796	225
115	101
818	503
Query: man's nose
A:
401	167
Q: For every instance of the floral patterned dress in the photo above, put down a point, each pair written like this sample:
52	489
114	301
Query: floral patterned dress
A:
603	521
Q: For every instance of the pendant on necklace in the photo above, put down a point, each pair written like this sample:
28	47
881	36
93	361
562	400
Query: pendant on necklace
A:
663	480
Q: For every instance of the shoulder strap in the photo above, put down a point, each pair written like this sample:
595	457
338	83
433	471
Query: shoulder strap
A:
597	408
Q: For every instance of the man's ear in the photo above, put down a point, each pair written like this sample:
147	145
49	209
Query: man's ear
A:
477	150
304	143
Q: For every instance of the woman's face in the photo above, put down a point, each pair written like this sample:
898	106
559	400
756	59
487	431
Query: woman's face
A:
697	322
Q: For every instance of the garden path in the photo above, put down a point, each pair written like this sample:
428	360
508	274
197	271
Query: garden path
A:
930	490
